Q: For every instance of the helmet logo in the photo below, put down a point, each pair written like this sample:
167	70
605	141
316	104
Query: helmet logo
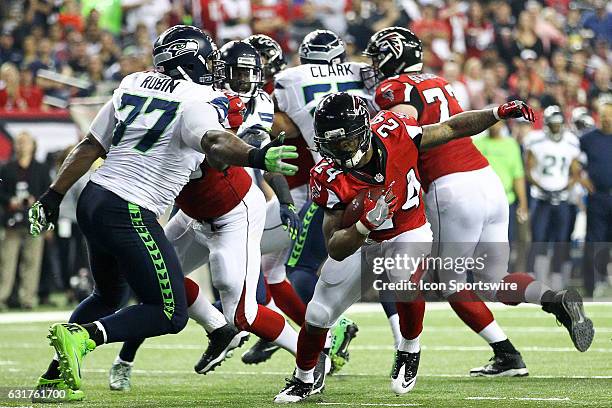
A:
334	133
175	49
392	42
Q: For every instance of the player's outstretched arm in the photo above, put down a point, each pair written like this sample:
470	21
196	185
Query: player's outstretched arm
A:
470	123
225	147
44	213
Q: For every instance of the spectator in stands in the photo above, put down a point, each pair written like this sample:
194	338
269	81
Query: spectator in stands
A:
601	84
233	20
70	17
10	95
472	76
452	73
479	33
110	13
24	180
305	24
597	147
525	37
504	155
331	14
271	18
79	59
600	22
493	94
8	51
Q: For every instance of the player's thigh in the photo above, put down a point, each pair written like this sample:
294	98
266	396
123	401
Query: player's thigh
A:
110	283
192	251
339	286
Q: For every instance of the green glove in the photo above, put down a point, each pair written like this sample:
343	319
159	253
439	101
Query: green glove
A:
271	156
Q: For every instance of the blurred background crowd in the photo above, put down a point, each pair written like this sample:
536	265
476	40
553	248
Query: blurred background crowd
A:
54	52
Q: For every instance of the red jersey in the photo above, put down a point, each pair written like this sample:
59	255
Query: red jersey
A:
217	192
435	101
395	139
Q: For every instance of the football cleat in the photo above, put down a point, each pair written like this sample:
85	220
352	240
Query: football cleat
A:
55	390
404	372
295	390
220	342
120	376
71	343
319	375
567	306
259	352
342	335
502	365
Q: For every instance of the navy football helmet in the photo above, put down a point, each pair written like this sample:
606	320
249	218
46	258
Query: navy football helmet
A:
243	72
322	47
186	52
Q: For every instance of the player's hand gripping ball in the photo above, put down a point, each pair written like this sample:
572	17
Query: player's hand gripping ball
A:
372	206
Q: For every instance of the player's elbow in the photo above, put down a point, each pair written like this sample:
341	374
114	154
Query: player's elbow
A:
337	252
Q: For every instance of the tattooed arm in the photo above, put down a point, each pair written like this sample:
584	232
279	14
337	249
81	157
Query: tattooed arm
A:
472	122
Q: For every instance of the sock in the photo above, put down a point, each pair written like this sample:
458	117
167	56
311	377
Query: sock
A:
53	371
473	311
512	297
288	301
410	345
493	333
504	346
306	376
96	332
310	346
119	360
534	293
411	316
395	329
201	310
287	339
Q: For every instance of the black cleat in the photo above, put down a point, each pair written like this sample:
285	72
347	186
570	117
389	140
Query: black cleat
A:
294	391
221	341
567	306
404	372
502	365
259	352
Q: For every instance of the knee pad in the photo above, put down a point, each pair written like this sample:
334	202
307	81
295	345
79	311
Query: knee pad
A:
318	315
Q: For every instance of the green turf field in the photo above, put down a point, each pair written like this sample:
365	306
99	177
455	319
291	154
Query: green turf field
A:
163	376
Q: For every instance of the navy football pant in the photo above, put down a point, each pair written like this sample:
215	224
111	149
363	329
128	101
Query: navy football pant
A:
128	249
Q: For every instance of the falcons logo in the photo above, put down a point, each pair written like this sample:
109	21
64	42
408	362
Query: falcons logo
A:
392	42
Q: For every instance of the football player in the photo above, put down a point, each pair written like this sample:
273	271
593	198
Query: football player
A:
297	92
154	133
552	170
213	198
382	154
465	201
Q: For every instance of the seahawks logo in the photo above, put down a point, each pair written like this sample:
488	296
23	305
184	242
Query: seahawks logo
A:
392	42
176	49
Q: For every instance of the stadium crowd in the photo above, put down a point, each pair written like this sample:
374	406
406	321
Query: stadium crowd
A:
544	52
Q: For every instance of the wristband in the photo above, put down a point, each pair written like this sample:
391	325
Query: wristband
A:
362	229
257	158
495	113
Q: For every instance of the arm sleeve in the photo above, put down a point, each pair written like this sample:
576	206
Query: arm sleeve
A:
198	118
103	125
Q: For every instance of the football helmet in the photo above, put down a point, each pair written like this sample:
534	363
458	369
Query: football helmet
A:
581	120
342	128
553	120
271	54
322	47
186	52
242	68
394	50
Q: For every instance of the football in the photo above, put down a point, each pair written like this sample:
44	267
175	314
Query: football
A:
353	211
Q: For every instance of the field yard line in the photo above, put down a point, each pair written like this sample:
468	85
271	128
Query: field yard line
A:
358	308
519	398
368	404
284	373
528	329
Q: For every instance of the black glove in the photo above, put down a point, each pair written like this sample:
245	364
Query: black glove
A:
44	213
290	219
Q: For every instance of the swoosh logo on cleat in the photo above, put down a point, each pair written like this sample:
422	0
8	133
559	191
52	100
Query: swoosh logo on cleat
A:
407	384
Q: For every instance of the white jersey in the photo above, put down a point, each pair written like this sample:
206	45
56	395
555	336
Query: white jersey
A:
259	113
553	161
152	130
299	90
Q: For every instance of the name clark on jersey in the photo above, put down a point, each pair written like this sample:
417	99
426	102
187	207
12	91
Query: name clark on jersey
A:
321	71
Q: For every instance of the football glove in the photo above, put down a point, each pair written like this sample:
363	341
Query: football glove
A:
514	109
290	219
271	156
44	213
376	211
